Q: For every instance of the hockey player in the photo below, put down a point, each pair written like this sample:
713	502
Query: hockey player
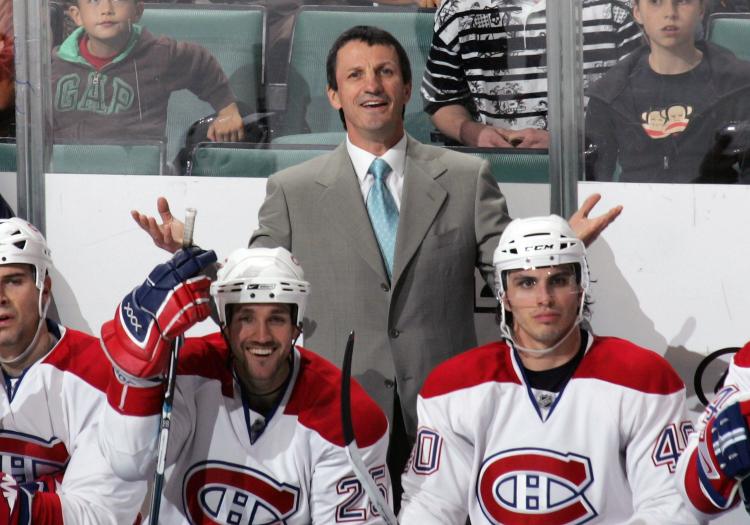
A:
552	425
54	383
256	435
718	454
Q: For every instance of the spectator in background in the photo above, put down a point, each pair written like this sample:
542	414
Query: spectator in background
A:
657	113
7	72
112	79
7	87
486	78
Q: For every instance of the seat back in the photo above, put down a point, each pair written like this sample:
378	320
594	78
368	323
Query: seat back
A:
233	160
315	30
514	165
111	159
732	31
233	34
8	156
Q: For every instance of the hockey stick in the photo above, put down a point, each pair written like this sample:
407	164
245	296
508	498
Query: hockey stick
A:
166	409
352	451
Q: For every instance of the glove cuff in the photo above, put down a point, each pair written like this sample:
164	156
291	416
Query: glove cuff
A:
142	397
132	359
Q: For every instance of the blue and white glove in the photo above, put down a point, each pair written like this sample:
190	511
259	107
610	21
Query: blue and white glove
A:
173	298
724	453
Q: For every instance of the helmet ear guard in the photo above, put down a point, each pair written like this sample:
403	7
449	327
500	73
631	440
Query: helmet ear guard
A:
260	275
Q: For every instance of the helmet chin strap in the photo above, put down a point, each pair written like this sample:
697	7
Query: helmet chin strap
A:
42	319
507	332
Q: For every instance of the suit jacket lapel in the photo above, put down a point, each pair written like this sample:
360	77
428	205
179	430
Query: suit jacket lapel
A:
342	201
421	200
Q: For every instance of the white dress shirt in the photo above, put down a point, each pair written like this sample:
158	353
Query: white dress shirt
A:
396	159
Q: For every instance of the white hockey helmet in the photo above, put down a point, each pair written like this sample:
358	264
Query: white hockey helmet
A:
537	242
260	275
22	243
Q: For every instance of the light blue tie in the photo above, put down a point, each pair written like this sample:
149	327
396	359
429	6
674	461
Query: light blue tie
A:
383	212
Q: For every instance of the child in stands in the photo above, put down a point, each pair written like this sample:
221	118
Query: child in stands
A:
662	113
111	78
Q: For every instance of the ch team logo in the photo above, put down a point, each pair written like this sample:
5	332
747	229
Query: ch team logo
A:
220	493
533	486
27	457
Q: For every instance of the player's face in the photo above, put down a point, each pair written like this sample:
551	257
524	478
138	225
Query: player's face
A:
19	308
107	23
544	303
371	92
669	24
261	337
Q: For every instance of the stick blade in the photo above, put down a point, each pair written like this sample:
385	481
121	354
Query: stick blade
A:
346	383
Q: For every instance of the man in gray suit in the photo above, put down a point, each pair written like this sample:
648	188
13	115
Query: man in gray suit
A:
418	313
397	269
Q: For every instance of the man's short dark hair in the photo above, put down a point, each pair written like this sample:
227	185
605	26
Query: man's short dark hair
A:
372	36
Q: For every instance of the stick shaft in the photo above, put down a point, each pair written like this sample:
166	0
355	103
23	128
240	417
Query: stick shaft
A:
166	410
187	234
352	451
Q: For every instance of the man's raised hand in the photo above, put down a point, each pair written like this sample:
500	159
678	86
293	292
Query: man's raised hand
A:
168	234
588	228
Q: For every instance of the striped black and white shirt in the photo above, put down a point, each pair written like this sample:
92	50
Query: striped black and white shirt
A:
490	56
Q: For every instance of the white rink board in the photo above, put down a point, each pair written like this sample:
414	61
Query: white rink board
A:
100	253
670	272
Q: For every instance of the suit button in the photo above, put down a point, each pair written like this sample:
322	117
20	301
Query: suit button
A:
389	383
385	287
395	333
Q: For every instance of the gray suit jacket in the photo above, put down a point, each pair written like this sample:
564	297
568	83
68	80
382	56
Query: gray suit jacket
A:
452	214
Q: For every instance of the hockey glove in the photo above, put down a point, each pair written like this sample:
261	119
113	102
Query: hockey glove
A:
173	298
45	483
724	453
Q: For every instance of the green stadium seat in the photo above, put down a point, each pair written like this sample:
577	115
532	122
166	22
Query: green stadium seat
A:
513	165
232	160
315	30
108	159
233	34
732	31
236	160
8	156
330	138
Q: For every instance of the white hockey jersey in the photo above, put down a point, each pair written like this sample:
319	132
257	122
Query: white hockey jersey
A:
605	452
736	387
227	465
48	426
